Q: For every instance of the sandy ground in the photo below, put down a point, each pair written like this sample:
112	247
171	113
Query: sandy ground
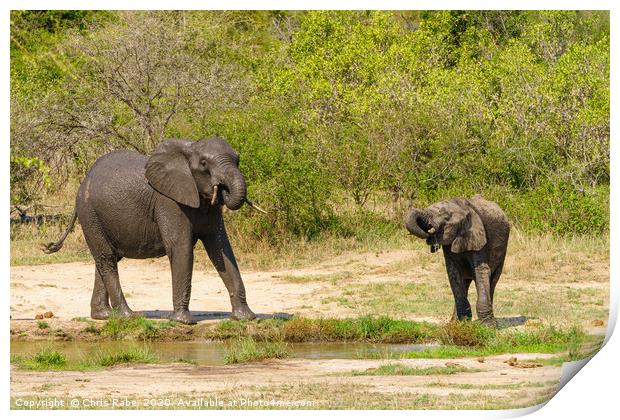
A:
65	290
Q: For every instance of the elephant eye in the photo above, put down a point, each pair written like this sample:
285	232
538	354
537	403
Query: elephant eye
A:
203	162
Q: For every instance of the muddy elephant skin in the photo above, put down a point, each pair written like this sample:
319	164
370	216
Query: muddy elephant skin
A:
474	236
135	206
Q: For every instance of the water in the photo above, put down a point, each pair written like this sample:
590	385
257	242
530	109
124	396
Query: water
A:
212	353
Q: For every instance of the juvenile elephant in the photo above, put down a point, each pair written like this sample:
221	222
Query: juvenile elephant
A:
474	235
135	206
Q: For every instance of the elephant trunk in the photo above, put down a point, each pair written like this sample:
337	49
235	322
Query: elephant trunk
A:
234	191
418	223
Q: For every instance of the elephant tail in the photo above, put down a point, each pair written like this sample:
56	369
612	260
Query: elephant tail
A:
55	246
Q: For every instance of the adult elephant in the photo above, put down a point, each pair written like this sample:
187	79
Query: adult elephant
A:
474	236
134	206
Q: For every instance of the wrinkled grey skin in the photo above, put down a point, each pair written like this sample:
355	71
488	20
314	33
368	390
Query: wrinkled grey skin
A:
133	206
474	235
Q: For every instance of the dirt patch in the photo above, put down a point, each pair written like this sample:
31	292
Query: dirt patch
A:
65	290
138	380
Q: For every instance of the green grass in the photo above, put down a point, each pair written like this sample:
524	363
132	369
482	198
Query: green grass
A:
397	299
366	328
398	369
456	338
333	278
42	325
572	355
247	350
133	354
453	340
471	339
117	327
47	359
92	328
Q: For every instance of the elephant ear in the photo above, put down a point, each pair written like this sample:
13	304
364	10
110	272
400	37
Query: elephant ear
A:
472	235
167	170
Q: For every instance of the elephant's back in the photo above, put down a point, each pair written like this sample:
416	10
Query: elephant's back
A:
119	164
496	224
490	211
115	174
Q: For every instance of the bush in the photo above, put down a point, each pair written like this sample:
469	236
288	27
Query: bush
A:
342	118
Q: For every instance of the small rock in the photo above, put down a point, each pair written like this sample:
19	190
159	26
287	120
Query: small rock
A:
597	323
481	360
38	316
48	314
528	365
523	365
451	364
511	361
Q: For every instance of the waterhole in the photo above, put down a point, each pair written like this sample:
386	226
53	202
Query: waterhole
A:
213	353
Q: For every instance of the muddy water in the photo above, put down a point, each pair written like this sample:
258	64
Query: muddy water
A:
212	353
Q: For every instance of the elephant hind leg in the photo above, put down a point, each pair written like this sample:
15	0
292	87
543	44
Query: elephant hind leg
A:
107	286
494	279
100	302
107	270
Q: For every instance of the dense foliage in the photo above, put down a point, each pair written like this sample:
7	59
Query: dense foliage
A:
342	119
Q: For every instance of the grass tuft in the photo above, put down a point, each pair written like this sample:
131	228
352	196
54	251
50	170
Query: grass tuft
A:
247	350
397	369
117	327
45	359
466	333
133	354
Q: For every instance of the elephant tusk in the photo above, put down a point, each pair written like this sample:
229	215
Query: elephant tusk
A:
431	231
214	196
255	207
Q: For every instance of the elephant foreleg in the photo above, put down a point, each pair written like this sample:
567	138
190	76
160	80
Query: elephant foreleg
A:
459	286
181	256
221	255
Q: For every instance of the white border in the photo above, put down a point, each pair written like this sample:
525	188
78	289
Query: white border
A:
592	394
